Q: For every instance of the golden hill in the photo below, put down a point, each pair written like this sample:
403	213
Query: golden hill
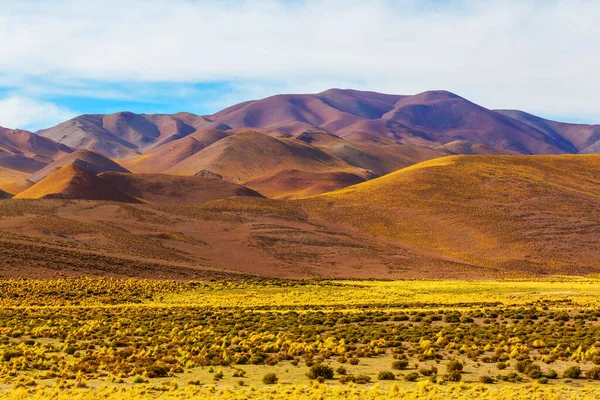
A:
171	189
12	181
536	214
74	182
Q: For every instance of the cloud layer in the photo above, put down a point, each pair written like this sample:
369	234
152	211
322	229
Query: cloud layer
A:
538	56
31	114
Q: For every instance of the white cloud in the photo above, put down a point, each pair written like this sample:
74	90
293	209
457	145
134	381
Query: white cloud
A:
26	113
538	56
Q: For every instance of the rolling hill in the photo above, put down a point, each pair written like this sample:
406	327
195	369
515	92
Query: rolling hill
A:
467	216
538	214
173	152
248	155
292	184
170	189
88	160
74	182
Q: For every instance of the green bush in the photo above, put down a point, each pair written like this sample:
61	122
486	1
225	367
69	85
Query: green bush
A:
428	371
486	379
454	366
522	365
386	376
573	372
593	373
412	377
341	370
320	371
552	374
454	376
533	371
400	364
358	379
156	371
270	379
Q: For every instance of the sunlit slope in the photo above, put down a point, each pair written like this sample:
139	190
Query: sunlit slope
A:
535	213
74	182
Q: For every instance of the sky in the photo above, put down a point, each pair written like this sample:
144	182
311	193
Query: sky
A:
61	58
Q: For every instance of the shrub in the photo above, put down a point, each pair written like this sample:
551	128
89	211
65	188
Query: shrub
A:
320	371
156	371
522	365
400	364
428	371
138	379
10	354
412	377
533	371
358	379
501	365
454	376
486	379
454	366
543	380
593	373
552	374
573	372
354	361
341	370
270	379
386	376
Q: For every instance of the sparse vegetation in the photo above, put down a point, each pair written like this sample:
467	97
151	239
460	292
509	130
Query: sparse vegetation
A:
78	334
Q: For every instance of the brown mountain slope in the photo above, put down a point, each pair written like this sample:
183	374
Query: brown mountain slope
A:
74	182
173	152
171	189
291	183
375	159
586	138
330	110
26	152
426	119
221	239
536	214
122	134
465	147
248	155
93	162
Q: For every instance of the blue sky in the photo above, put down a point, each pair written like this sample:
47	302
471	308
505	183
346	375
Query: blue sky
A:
61	58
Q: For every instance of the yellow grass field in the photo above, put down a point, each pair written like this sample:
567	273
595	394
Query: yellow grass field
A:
127	339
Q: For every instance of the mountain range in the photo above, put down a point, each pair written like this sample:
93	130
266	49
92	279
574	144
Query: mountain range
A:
429	185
